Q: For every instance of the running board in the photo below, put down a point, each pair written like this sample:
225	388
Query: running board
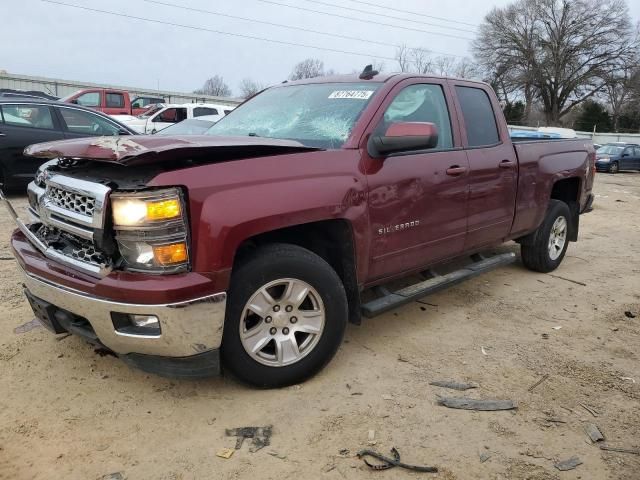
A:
390	300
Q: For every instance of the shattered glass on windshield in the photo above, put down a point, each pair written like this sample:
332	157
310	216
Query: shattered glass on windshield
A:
316	115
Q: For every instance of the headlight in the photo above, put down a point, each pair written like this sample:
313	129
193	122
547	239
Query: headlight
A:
604	160
151	230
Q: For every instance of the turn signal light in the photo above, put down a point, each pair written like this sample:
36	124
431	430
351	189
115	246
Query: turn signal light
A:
163	209
170	254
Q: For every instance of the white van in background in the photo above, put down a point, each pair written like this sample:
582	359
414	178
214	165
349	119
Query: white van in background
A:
162	115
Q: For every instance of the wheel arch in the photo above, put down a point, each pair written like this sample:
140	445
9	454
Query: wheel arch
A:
567	190
332	240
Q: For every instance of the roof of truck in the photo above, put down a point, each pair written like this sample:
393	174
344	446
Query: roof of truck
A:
380	77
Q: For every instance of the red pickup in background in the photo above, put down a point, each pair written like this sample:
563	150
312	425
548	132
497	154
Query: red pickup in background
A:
111	101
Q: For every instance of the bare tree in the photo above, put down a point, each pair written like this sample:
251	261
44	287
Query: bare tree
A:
249	87
620	86
558	50
419	60
309	68
215	86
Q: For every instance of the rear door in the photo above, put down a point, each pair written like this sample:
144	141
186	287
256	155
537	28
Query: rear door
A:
91	99
636	153
493	174
115	104
417	200
22	125
165	118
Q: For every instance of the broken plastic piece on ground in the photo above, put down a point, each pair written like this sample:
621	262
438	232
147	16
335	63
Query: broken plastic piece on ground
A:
473	404
453	385
28	326
113	476
261	436
484	456
593	432
569	464
392	462
225	453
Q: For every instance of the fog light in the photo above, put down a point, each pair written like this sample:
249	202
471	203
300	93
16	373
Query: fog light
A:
145	321
134	324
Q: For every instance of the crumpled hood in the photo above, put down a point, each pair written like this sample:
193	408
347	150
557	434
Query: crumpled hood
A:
150	149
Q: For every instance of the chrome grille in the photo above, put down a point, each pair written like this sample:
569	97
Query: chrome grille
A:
74	202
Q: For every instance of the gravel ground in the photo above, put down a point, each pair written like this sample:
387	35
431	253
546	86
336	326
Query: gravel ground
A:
66	412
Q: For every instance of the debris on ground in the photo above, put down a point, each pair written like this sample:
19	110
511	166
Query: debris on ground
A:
27	327
277	455
453	385
386	396
557	327
593	432
371	438
589	409
484	456
620	450
388	463
569	464
545	336
344	452
632	380
261	436
113	476
544	377
473	404
104	352
484	352
225	453
629	314
568	279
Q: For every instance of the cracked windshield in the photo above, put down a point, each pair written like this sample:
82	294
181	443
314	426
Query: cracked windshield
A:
316	115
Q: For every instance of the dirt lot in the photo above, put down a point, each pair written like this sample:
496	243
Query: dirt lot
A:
66	412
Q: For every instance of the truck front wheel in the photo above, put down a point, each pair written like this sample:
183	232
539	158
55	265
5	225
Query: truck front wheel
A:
545	251
286	316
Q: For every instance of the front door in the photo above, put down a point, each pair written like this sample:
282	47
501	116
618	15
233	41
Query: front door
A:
22	125
417	200
493	174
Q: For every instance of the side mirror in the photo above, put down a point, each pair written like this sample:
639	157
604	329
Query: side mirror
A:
403	137
75	100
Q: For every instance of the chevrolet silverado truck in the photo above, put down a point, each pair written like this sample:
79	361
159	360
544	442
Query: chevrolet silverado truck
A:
250	248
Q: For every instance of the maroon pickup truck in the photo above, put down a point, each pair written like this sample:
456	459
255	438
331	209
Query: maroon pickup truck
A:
253	246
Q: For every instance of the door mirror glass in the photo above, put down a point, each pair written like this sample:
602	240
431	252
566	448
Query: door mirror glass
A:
404	136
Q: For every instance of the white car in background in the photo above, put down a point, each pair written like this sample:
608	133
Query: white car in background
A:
162	115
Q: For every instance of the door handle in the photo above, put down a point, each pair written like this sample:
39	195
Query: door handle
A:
456	170
3	134
506	164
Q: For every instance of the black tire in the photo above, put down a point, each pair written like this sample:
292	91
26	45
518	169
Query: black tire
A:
535	253
268	264
614	168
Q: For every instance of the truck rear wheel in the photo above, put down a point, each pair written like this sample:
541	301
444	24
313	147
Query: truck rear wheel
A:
286	316
545	251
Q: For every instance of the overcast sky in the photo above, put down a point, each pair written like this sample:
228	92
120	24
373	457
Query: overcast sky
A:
59	41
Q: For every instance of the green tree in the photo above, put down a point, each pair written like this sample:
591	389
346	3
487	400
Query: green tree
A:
514	112
593	114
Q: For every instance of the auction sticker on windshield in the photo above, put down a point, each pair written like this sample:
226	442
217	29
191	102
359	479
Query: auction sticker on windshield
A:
357	94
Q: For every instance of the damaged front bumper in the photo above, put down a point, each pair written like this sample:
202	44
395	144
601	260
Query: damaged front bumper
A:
189	334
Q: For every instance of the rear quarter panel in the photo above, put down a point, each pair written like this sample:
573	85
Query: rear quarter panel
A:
232	201
541	164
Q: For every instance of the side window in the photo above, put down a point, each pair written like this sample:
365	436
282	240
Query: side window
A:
30	116
182	114
628	151
87	123
479	119
200	111
89	99
115	100
170	115
637	152
421	103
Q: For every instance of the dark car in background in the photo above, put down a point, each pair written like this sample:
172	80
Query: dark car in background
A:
613	157
25	121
